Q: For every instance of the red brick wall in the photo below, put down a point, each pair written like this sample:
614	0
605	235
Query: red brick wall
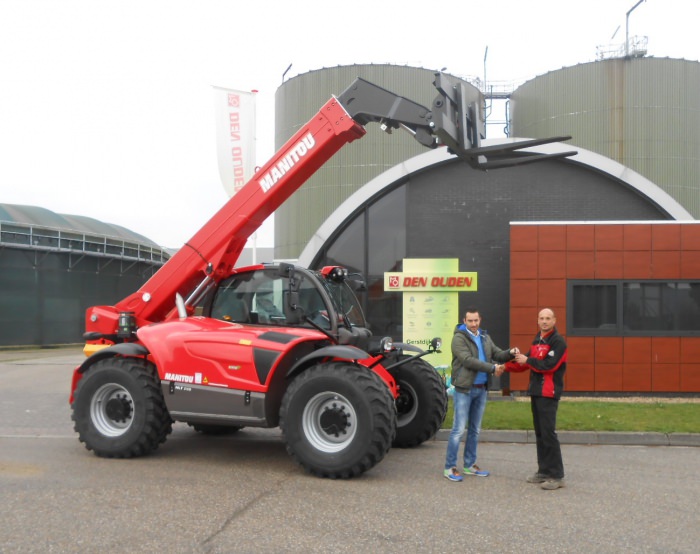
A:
544	257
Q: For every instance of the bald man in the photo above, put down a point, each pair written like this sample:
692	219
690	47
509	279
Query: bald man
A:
546	360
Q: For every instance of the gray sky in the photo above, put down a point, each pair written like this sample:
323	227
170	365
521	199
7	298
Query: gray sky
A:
106	107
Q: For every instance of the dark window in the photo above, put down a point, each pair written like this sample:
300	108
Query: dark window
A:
386	251
385	245
670	306
633	308
387	232
596	306
384	309
348	248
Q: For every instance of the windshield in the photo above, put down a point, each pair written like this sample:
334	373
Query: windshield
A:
259	297
346	302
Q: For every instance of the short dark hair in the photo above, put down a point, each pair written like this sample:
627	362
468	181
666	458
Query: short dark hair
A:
472	310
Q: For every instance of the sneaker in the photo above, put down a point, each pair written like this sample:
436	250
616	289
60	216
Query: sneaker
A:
475	470
537	478
552	484
452	475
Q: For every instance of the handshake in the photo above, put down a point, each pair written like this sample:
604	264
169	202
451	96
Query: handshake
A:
500	368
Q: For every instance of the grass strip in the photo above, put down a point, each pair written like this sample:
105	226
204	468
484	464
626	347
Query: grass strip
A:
658	417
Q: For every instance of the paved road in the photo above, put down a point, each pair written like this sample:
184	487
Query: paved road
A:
244	494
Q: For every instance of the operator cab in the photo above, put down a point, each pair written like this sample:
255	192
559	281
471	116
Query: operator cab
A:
284	295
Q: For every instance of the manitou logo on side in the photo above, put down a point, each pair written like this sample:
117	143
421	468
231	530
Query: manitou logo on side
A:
289	160
179	378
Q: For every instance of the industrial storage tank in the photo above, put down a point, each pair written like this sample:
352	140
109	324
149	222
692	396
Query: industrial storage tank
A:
296	102
54	266
642	112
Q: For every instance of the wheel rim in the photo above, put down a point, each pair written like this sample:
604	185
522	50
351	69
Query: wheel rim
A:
406	404
112	410
329	422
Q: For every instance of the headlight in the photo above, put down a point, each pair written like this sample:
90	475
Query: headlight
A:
339	274
386	344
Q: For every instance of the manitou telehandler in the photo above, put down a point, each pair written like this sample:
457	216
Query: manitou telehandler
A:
222	348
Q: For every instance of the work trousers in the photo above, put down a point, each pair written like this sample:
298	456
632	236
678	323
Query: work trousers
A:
544	419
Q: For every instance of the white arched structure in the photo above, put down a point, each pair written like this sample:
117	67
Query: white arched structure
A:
435	157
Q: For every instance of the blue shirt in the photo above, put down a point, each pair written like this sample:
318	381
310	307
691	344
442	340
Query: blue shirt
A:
481	377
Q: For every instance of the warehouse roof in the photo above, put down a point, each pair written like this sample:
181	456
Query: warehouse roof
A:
35	215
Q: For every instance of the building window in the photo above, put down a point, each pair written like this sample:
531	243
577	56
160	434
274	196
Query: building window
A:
379	230
347	248
596	307
633	308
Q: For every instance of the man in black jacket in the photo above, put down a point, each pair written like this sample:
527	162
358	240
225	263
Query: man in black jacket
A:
546	360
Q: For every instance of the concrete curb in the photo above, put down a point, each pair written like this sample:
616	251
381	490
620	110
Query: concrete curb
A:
588	437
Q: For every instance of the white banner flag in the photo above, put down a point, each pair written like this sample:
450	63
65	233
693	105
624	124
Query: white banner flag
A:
235	132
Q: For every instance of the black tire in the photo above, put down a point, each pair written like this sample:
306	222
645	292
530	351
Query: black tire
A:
421	405
338	420
215	429
119	410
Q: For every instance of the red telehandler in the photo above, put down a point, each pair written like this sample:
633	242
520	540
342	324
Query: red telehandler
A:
221	348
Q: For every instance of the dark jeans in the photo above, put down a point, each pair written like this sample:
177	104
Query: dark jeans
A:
544	419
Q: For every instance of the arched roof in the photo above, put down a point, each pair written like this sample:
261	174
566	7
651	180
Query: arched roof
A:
616	171
35	215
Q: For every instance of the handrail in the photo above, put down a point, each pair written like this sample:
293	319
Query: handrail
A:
39	237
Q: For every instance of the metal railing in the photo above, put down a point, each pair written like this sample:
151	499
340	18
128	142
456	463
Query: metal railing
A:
38	237
635	48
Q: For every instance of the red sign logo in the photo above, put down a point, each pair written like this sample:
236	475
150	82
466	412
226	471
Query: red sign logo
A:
234	101
394	282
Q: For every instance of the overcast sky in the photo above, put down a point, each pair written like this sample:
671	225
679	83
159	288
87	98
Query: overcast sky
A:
106	107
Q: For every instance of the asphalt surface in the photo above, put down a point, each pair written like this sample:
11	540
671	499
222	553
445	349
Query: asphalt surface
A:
243	493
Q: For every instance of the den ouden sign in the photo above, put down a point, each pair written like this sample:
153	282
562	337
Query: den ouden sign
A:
434	282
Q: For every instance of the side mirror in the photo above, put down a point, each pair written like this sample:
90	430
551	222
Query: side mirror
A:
292	311
358	282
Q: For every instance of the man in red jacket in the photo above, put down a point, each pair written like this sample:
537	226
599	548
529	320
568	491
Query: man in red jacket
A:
546	360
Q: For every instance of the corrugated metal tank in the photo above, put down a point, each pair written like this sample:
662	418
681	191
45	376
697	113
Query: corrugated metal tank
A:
296	102
642	112
54	266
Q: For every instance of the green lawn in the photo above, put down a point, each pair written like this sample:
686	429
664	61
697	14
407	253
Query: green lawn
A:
579	415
